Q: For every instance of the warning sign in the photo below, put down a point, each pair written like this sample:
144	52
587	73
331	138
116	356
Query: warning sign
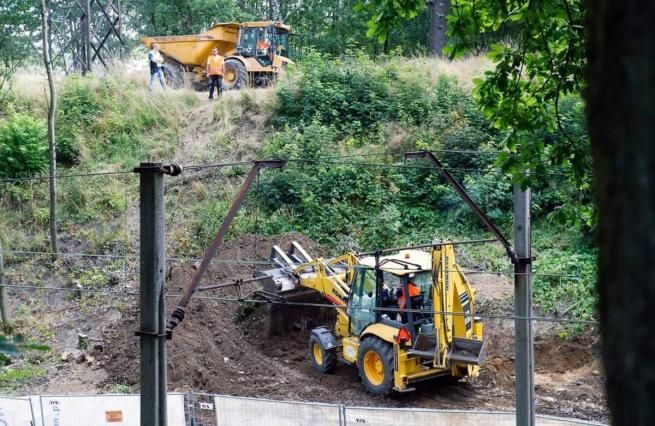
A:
115	416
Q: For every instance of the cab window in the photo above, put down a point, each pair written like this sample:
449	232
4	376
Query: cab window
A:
362	303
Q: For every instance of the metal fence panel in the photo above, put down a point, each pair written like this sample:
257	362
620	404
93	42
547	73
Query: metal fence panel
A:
376	416
15	412
103	410
357	416
542	420
233	411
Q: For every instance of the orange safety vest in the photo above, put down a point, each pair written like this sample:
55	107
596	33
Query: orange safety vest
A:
263	44
215	65
413	292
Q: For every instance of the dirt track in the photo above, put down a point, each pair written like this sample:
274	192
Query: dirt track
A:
212	353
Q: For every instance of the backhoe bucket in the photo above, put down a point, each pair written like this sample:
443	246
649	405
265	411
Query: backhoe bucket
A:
467	351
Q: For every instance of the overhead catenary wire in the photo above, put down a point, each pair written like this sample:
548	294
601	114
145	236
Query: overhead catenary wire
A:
395	165
120	172
69	176
178	259
315	305
136	257
324	160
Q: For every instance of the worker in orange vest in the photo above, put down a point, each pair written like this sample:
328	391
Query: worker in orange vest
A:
414	291
414	295
215	69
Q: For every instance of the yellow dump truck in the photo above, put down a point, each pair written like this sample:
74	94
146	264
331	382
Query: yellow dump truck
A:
255	53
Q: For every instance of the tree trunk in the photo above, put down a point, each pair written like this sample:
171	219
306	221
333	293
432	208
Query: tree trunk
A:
52	109
621	120
437	38
274	10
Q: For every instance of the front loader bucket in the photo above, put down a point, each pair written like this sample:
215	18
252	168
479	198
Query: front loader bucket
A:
467	351
284	318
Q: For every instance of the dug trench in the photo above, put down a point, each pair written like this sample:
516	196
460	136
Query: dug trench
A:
223	347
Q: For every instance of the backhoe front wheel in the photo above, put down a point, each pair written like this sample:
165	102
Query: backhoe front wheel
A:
375	363
324	360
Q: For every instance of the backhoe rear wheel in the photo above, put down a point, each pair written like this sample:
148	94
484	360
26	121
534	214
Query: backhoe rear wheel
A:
235	76
375	363
324	360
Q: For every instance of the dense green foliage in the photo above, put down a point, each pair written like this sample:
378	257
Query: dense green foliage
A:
23	150
539	56
363	201
325	25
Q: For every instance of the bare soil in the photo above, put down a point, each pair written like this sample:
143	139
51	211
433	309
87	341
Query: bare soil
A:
213	352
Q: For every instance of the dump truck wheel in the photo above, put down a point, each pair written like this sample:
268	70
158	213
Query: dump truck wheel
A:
375	362
236	75
324	360
173	75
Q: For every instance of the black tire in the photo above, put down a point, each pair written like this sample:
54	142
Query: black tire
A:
235	76
374	347
324	360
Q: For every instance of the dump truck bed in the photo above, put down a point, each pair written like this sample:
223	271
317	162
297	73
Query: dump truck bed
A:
193	50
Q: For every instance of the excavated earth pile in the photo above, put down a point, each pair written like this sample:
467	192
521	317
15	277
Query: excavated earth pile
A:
222	347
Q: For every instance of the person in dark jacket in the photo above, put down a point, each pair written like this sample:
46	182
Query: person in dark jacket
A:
156	67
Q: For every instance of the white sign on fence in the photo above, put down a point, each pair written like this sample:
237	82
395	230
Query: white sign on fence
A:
103	410
233	411
15	412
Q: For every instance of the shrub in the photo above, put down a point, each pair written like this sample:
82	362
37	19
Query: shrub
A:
79	105
353	97
23	146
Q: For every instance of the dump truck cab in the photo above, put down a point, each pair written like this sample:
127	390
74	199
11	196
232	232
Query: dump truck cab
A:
262	39
262	50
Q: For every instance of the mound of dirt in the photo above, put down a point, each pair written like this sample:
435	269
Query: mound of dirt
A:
209	350
220	348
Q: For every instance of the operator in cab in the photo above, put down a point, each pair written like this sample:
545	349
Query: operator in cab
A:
215	70
414	295
263	43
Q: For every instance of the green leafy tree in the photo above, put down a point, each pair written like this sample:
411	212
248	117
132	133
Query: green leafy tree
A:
535	75
172	17
389	16
538	51
19	22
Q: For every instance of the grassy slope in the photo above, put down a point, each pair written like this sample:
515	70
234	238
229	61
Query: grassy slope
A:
114	124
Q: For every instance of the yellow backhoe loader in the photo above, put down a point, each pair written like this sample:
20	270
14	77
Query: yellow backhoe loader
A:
255	53
393	340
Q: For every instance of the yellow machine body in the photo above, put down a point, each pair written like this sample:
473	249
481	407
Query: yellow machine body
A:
437	332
